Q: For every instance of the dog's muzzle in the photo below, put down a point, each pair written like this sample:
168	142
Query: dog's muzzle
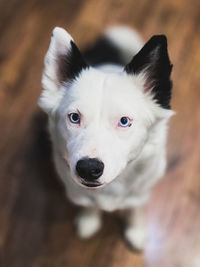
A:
89	170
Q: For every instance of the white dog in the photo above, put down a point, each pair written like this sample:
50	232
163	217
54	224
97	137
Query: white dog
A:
108	112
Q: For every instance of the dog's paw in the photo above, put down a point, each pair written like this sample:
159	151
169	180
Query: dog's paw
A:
87	224
136	238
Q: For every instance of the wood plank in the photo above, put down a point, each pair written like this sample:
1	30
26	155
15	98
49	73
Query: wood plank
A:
36	220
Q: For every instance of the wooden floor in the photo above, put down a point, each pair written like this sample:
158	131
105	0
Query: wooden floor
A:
36	220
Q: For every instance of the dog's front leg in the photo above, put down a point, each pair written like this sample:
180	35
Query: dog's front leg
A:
135	231
88	222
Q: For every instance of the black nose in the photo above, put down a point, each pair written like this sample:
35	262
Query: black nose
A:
89	169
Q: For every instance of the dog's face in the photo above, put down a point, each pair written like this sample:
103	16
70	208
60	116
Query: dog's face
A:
101	121
102	125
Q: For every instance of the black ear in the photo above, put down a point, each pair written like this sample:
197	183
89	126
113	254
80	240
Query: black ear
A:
154	61
70	64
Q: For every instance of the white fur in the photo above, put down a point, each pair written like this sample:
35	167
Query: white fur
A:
135	232
136	237
134	157
127	40
52	94
88	222
141	161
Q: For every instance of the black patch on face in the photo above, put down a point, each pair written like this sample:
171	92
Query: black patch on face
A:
154	60
103	51
71	64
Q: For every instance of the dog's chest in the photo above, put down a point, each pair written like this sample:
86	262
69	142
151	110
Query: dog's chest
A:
115	201
117	195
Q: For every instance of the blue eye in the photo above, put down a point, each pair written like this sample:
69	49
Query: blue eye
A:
74	118
124	122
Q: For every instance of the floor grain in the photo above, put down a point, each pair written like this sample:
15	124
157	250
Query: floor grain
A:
36	220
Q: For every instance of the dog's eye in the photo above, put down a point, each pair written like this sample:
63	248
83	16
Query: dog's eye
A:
124	122
74	118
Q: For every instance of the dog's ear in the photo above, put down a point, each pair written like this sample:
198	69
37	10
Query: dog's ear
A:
153	61
63	62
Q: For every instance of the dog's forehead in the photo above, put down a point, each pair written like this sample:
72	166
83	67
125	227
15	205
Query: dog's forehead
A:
109	94
96	86
88	85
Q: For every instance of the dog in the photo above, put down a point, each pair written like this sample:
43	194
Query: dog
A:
108	112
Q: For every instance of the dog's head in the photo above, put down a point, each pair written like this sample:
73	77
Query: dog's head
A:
101	121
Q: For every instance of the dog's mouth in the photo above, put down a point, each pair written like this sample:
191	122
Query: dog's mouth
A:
88	184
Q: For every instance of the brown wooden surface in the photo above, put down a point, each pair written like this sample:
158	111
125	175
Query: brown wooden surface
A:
36	220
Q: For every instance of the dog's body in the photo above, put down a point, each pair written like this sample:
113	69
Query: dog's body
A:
108	124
